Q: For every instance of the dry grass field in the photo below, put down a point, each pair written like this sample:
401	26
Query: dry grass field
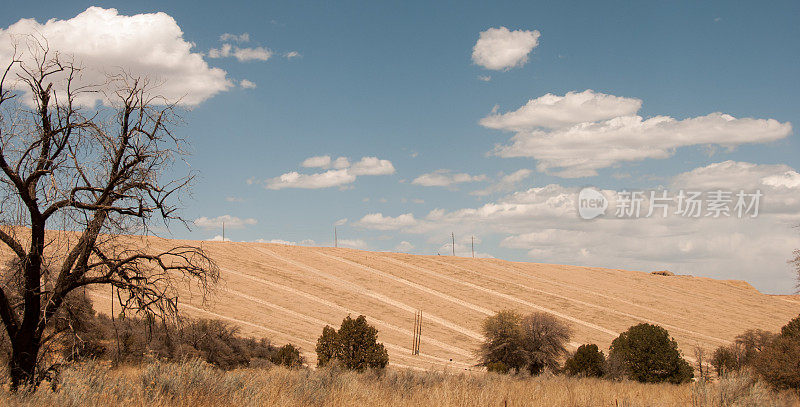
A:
289	293
197	384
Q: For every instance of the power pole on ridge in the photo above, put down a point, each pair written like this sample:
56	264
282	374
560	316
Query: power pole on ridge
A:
453	238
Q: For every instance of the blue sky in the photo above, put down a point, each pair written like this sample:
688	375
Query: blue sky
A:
397	81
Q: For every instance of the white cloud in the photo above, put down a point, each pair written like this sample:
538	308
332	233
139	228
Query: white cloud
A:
320	161
343	173
404	247
235	199
372	166
461	250
103	41
247	84
505	183
353	244
241	54
327	179
500	48
377	221
544	222
277	241
341	162
580	150
552	111
231	222
292	55
445	178
244	37
218	238
306	242
485	78
340	222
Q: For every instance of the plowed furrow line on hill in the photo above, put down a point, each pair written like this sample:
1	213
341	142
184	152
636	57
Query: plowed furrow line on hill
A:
501	295
338	307
568	286
420	287
321	323
353	287
588	304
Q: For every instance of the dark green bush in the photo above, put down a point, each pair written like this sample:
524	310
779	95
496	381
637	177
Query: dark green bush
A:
287	355
646	353
587	361
355	345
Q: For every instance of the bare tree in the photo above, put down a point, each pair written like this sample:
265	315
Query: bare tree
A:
96	174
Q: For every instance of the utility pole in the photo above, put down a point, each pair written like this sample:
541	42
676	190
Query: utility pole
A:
335	237
223	231
473	247
453	237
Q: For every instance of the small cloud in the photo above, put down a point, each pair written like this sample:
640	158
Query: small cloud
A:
277	241
485	78
292	55
246	84
234	199
404	247
241	54
718	19
353	244
340	222
232	222
218	238
505	183
503	49
227	37
320	161
445	178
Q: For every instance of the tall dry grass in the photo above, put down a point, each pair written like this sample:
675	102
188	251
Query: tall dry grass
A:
195	383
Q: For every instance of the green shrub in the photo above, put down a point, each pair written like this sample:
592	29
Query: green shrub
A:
587	361
646	353
354	345
503	333
327	346
287	355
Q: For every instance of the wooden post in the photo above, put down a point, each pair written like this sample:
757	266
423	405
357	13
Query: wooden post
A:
419	331
453	237
414	338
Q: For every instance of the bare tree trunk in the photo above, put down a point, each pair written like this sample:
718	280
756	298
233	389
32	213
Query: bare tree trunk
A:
22	365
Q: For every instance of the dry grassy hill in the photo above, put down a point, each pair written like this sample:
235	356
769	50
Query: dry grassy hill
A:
289	293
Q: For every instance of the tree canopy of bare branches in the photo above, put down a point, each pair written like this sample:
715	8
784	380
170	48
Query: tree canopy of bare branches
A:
96	173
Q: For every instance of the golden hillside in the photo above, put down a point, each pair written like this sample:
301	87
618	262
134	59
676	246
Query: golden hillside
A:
289	293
